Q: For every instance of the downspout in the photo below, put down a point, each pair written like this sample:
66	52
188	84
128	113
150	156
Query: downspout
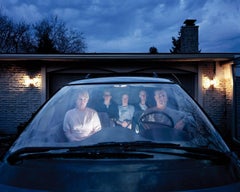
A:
236	100
43	84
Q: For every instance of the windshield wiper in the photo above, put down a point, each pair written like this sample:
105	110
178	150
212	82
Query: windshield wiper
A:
159	148
125	145
15	156
189	152
137	149
100	150
64	152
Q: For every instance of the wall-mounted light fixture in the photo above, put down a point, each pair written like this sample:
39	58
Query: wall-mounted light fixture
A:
31	82
207	83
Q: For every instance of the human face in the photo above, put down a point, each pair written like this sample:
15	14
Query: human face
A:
125	100
161	98
143	96
107	96
82	101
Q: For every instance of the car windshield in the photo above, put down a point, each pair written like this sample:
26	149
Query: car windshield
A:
89	114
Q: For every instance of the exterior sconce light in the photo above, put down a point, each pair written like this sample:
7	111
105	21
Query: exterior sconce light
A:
207	83
31	82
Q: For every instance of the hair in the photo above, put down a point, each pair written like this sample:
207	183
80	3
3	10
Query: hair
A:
125	93
107	90
143	90
159	89
83	93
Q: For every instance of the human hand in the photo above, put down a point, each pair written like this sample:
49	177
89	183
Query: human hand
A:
124	124
179	125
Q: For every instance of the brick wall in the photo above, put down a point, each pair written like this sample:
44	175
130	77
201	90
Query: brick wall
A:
189	39
17	101
217	101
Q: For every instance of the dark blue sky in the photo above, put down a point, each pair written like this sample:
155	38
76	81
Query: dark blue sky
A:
135	26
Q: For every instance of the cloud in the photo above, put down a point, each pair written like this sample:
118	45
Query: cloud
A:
23	12
121	44
127	26
220	25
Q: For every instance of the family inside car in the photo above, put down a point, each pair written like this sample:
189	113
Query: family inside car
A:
82	121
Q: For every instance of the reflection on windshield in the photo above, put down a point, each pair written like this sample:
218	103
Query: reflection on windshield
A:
90	114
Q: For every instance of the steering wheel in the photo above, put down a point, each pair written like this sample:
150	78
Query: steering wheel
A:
156	125
156	118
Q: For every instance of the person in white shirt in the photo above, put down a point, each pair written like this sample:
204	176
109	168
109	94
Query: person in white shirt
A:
81	122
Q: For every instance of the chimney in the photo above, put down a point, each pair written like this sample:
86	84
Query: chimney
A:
189	37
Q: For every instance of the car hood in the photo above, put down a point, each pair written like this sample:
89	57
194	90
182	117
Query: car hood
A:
180	174
229	188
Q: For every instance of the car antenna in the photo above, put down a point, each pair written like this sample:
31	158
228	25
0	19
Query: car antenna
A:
87	76
176	78
155	75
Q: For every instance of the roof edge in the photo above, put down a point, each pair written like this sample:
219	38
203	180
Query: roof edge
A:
161	56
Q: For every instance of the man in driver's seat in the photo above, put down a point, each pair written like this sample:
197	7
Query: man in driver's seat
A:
166	115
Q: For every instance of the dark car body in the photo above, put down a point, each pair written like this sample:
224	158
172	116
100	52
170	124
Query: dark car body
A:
149	156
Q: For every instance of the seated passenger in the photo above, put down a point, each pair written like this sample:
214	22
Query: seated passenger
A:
108	105
142	104
140	107
126	112
107	110
81	122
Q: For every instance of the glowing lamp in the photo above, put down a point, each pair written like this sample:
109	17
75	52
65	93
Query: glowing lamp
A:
207	83
31	82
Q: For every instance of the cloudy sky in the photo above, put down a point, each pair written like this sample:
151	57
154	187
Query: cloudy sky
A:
136	25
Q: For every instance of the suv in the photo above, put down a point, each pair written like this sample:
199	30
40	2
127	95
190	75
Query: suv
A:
120	134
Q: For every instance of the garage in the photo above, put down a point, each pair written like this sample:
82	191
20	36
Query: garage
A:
183	73
27	81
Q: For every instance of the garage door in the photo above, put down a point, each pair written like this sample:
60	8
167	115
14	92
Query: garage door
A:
58	80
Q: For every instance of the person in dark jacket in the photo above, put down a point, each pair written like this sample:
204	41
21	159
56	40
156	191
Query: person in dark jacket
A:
140	107
108	105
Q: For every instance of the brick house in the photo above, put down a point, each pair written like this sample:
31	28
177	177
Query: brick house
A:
28	80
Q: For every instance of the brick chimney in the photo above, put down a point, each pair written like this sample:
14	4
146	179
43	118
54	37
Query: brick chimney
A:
189	37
